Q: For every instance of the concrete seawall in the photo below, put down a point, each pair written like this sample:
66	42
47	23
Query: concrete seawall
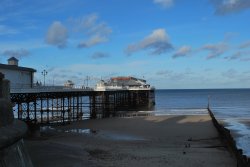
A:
242	160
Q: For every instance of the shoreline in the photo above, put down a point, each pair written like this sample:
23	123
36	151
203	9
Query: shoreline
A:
135	141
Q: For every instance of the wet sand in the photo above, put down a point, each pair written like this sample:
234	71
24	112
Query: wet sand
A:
173	141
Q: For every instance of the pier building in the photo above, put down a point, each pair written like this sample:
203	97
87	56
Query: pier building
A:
123	83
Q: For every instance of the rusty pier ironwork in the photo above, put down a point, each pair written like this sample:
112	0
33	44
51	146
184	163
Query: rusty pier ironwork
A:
65	106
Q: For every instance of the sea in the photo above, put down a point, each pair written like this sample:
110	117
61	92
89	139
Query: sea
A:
231	106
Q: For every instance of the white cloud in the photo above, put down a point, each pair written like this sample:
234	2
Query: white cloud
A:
5	30
223	7
157	42
92	41
245	45
95	32
239	55
84	24
98	55
171	76
215	50
164	73
235	56
16	45
231	73
16	53
182	52
164	3
245	59
57	35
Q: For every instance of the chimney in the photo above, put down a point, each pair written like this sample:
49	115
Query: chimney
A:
13	61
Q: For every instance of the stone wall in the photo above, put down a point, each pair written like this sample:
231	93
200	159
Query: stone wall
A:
6	114
12	151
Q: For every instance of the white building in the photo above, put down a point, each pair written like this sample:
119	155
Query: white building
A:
69	84
123	82
19	77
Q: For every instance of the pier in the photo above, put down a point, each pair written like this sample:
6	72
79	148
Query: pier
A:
64	105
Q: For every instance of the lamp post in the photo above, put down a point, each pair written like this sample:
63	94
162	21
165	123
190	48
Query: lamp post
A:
87	80
44	73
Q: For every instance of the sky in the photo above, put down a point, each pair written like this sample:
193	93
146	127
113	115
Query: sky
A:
173	44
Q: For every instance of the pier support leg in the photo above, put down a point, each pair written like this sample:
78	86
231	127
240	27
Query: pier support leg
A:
35	111
28	111
107	105
19	111
41	111
93	107
63	110
47	110
77	108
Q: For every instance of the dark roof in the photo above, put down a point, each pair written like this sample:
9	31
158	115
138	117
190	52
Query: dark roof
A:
13	58
121	78
126	78
17	68
125	82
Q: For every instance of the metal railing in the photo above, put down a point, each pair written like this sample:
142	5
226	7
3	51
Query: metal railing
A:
15	88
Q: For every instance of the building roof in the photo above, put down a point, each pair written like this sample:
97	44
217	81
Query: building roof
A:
13	58
16	68
127	81
126	78
121	78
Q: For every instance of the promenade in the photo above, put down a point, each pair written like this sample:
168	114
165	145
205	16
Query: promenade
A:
173	141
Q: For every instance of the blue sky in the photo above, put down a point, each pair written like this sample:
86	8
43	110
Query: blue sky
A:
171	43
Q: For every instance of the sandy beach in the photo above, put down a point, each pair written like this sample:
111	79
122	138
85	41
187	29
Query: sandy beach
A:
173	141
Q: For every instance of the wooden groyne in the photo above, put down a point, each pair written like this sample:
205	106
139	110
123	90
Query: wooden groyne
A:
63	106
242	160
